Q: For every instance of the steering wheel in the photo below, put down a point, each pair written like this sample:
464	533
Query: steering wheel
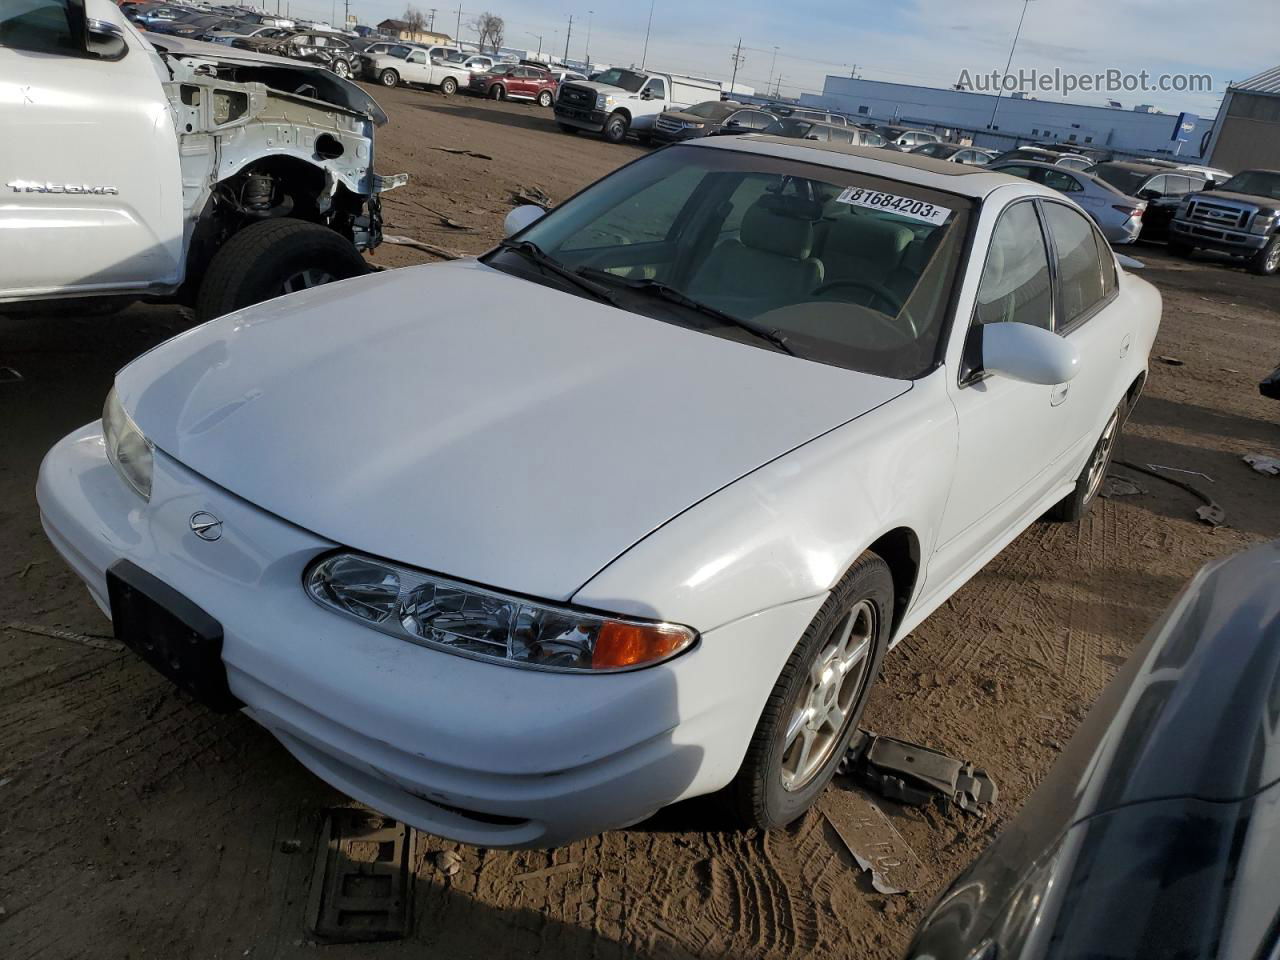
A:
879	292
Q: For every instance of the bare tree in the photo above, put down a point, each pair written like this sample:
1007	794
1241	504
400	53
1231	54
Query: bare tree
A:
414	19
490	28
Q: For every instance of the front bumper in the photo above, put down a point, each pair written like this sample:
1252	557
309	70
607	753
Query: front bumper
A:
580	118
480	753
1217	238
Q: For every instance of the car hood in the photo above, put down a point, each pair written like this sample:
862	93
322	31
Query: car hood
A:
522	443
1211	195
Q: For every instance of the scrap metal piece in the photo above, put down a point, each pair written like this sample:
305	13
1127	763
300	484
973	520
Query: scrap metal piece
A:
876	845
912	774
362	888
1263	463
1194	473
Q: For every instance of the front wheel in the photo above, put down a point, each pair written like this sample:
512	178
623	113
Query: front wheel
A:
615	128
816	704
272	258
448	86
544	98
1267	260
1077	503
342	69
389	78
498	92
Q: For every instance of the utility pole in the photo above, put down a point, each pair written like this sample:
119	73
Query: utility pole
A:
457	36
346	13
539	36
567	34
737	59
1008	64
431	21
586	54
645	55
777	88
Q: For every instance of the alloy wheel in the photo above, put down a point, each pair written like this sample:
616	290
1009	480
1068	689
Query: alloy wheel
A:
821	718
306	279
1273	257
1102	456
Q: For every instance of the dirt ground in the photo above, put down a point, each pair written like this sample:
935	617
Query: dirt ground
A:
139	825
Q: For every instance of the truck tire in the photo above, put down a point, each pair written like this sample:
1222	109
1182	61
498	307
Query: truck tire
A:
448	86
1266	261
272	258
544	98
615	128
389	78
565	128
498	92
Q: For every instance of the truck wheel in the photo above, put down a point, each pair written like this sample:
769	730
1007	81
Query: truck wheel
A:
342	69
814	708
389	78
615	128
565	128
448	86
498	92
1267	260
1180	248
272	258
544	98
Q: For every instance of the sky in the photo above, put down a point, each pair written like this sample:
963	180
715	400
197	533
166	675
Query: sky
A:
924	42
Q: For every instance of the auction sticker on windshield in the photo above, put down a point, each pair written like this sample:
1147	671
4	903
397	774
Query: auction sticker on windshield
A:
920	210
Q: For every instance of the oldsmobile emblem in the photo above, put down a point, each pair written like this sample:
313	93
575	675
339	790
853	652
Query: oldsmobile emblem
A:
206	526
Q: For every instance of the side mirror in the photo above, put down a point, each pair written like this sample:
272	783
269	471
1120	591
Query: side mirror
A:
521	217
1027	353
104	40
646	94
1149	194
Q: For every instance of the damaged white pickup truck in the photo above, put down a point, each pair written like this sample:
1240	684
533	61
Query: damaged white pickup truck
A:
139	165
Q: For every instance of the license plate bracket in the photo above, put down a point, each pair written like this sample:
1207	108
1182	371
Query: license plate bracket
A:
171	633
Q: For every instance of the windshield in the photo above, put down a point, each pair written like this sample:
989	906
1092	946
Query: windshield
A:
712	109
626	79
1258	183
844	268
1125	180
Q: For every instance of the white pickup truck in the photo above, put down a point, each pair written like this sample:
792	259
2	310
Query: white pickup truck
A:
417	69
142	165
621	101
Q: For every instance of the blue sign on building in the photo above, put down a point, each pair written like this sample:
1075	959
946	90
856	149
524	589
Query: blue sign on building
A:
1185	127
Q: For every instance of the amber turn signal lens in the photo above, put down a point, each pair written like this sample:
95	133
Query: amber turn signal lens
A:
631	644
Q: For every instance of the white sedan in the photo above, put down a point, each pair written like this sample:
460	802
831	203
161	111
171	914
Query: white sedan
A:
742	414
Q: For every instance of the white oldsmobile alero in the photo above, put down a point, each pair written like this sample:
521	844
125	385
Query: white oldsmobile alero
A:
737	418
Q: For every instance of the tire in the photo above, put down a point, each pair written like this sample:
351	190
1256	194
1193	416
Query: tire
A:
1266	262
775	784
448	86
389	78
615	128
565	128
1180	248
342	69
1076	504
498	92
272	258
545	98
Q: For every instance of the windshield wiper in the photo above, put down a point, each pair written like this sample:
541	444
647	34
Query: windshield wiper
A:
535	254
656	288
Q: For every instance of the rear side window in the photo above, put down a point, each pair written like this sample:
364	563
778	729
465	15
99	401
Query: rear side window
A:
40	25
1080	286
1015	285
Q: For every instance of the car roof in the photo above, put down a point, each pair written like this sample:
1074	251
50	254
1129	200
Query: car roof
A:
1135	166
958	178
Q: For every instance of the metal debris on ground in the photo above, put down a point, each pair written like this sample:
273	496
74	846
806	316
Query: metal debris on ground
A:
534	195
430	248
1262	463
58	633
1193	473
9	375
462	152
1211	513
1119	487
362	888
877	846
913	774
1172	361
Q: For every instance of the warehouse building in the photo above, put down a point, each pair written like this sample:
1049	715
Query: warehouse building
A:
1141	130
1247	132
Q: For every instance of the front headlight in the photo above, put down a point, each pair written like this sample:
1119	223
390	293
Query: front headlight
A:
129	451
1263	225
475	622
603	101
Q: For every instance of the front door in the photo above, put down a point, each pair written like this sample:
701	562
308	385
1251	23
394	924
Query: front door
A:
416	69
90	188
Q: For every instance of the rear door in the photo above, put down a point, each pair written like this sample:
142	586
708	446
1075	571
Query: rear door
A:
92	192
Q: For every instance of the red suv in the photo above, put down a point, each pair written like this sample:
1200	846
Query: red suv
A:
517	81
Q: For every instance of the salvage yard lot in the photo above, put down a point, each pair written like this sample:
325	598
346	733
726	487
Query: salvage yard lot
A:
138	824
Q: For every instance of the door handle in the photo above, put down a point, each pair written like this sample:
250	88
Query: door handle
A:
1124	346
1058	394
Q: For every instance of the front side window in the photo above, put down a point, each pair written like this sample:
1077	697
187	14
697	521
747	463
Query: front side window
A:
1015	285
1080	287
417	57
656	89
842	267
43	26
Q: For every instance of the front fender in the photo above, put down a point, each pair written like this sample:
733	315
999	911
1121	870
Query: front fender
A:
790	529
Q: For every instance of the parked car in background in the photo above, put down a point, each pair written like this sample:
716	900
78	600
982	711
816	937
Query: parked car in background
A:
1072	161
808	113
955	153
1240	217
872	372
311	46
230	32
619	102
904	138
823	132
193	26
416	69
1148	181
1209	174
709	118
473	63
369	63
389	46
514	81
1155	833
1119	216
